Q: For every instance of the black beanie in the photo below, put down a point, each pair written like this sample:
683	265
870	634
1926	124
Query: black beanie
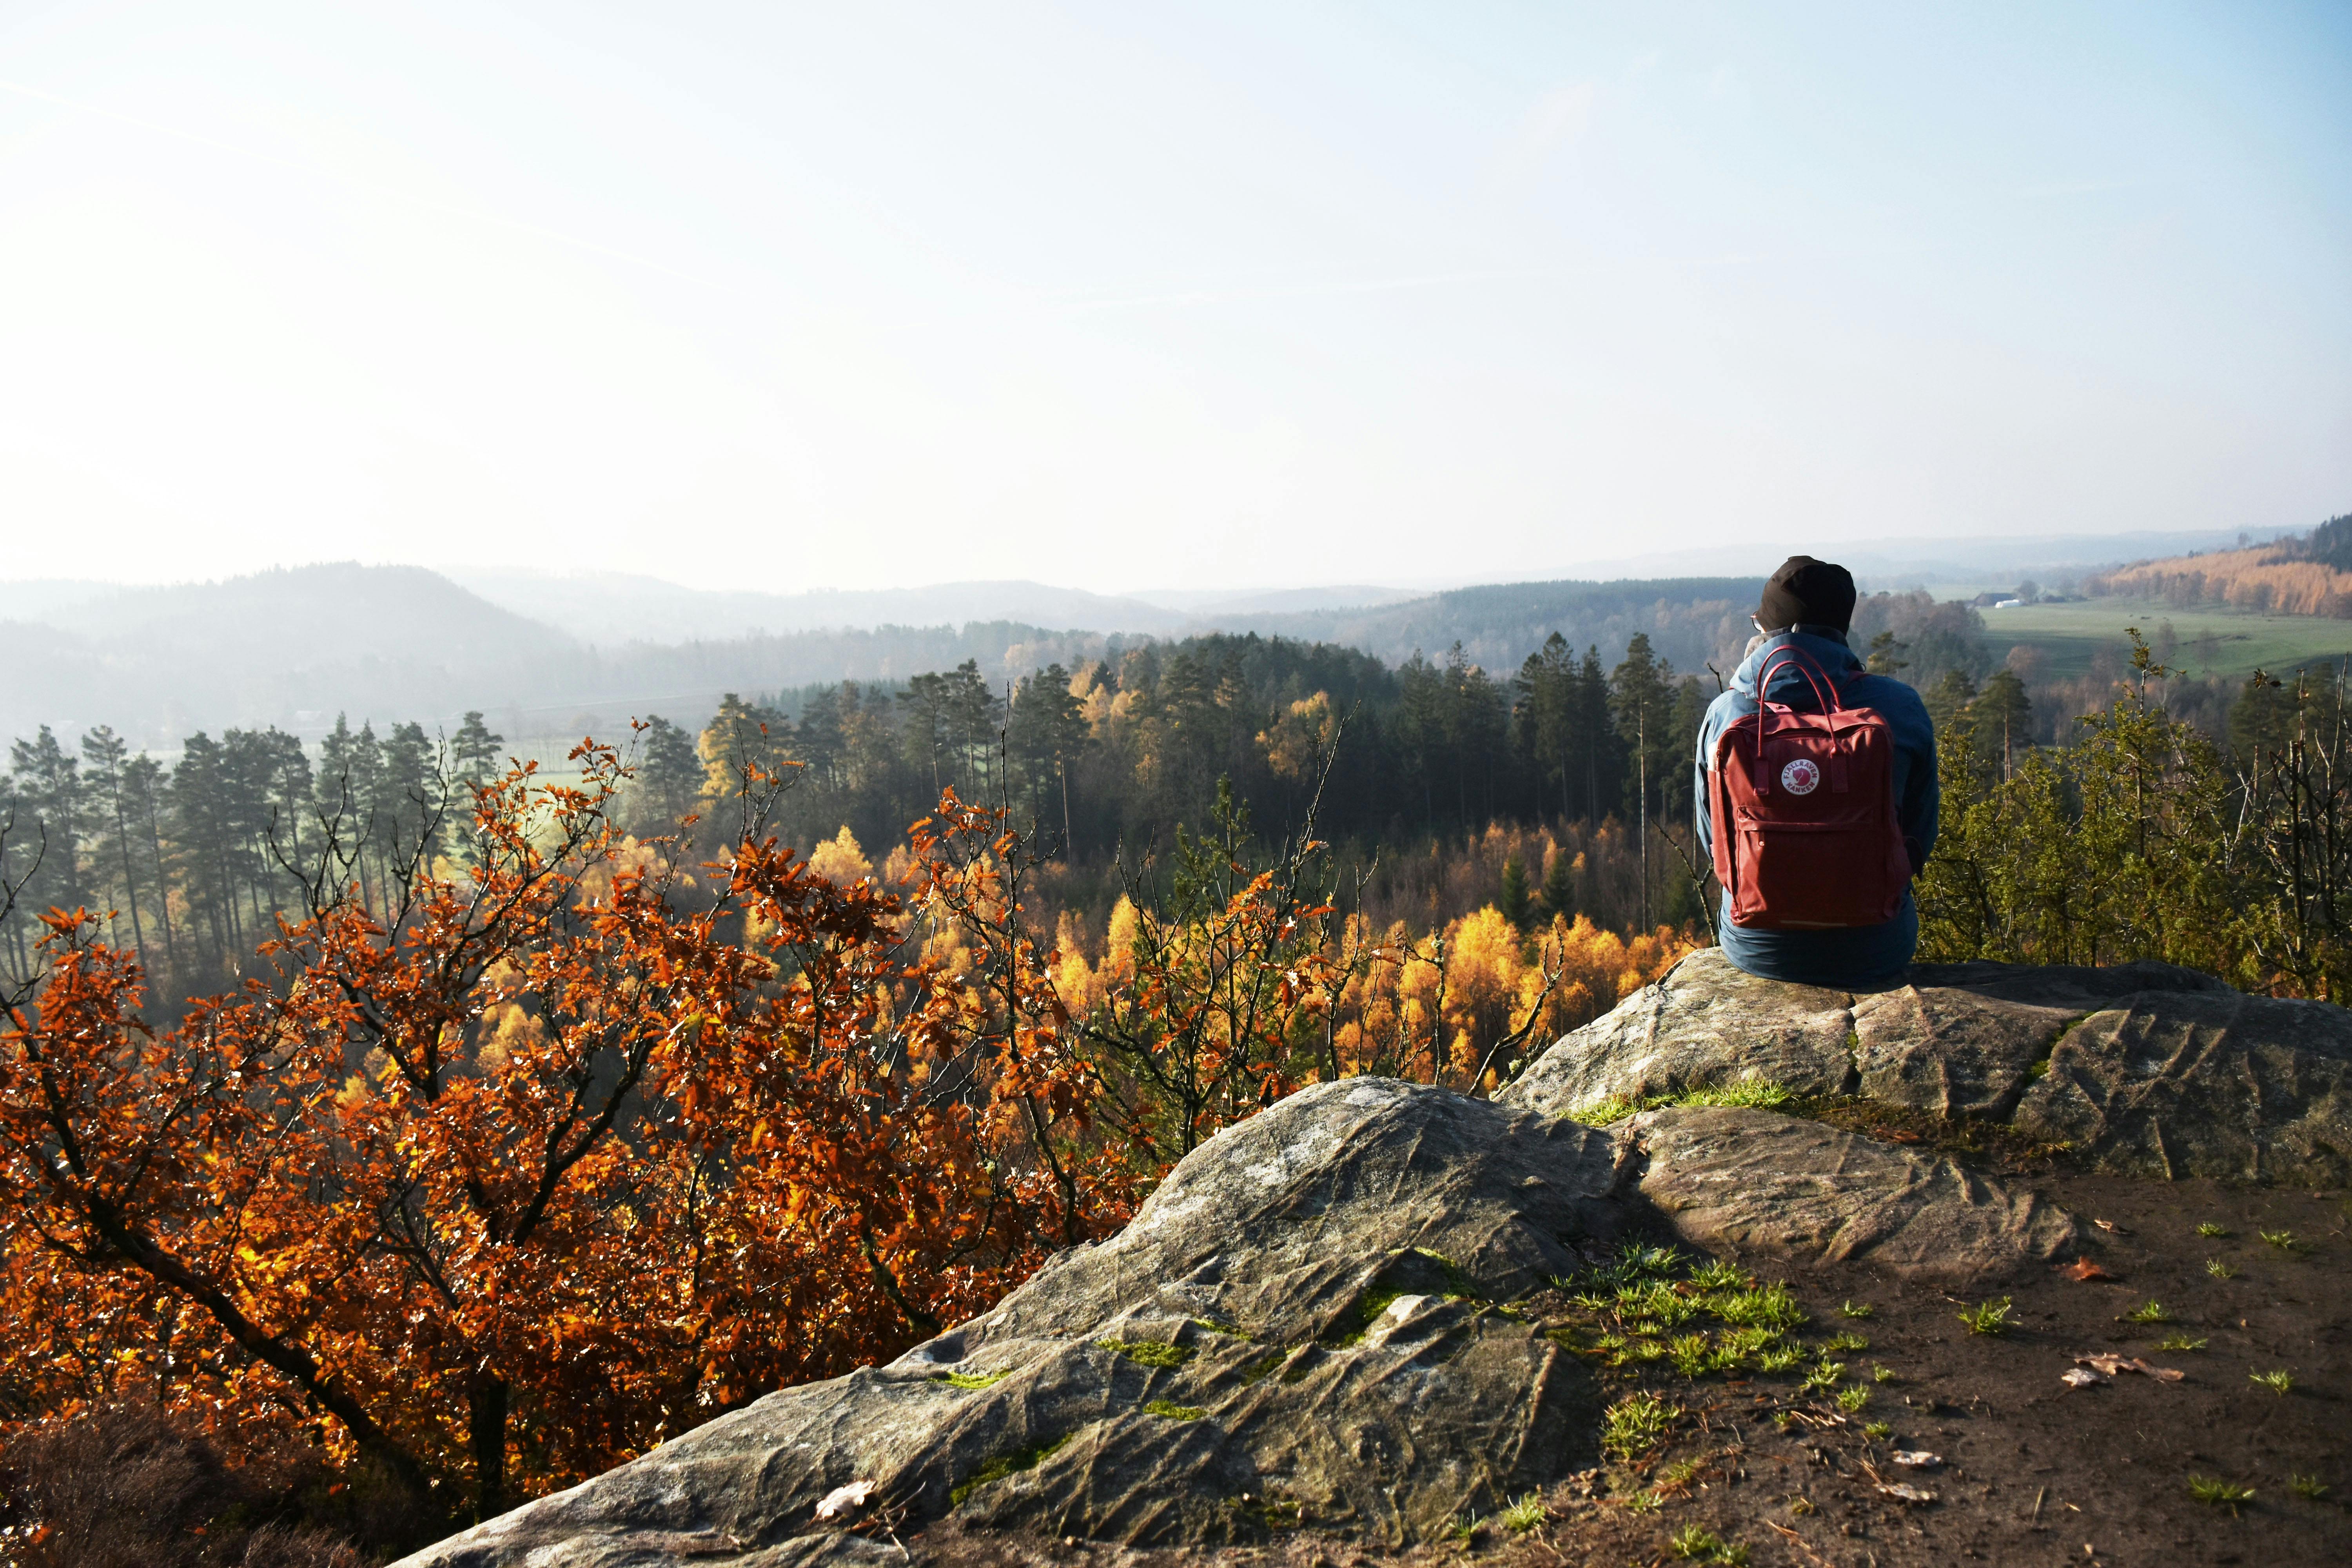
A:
1809	593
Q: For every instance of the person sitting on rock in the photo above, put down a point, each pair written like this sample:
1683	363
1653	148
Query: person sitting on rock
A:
1823	794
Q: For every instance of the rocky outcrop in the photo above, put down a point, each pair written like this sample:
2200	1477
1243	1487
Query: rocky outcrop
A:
1307	1322
1311	1320
1299	1322
2142	1068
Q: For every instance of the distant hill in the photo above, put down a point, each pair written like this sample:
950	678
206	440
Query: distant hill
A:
553	657
1689	620
610	608
2310	575
294	648
291	646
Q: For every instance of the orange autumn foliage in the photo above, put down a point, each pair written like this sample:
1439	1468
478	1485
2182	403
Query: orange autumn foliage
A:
571	1147
546	1163
2267	578
1466	1005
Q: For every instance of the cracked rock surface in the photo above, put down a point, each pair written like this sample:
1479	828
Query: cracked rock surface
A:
1755	1185
2141	1068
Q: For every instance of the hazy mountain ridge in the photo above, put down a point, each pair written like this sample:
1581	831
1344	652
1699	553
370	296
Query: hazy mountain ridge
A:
548	654
295	645
1689	620
611	608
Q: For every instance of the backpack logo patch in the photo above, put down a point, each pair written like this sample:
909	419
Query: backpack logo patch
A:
1801	778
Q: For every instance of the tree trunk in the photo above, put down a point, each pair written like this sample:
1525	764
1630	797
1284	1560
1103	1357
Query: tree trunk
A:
486	1412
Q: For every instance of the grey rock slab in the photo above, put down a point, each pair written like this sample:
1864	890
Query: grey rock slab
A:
1964	1039
2143	1069
2210	1084
1325	1273
1951	1051
1705	1023
1759	1184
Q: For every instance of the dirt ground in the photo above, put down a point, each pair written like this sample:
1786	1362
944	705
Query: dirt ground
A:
1758	1470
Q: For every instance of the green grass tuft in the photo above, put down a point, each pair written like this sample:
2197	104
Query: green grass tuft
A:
2216	1493
2310	1487
1696	1543
1772	1306
1779	1359
1882	1374
1856	1309
1678	1476
2218	1270
1635	1424
2153	1312
2179	1342
1174	1412
1691	1355
1721	1276
1877	1430
2211	1231
1991	1318
1825	1376
2286	1241
1853	1399
2279	1381
1845	1344
1523	1515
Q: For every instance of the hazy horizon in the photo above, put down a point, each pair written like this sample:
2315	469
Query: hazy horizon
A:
1224	296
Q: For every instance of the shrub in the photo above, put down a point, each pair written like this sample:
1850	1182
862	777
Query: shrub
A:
127	1486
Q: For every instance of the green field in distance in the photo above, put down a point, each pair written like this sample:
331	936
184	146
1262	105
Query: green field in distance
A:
2229	643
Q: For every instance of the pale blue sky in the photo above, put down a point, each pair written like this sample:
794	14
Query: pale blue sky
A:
1168	295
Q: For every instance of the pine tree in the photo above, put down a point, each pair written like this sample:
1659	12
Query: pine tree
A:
144	785
2002	716
669	775
1045	731
1560	886
44	787
475	750
1593	737
1514	903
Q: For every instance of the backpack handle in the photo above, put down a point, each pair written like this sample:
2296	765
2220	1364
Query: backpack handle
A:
1833	704
1804	664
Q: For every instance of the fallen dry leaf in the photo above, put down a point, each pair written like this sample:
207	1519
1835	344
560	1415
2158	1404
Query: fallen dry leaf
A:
2110	1364
845	1500
2076	1377
2083	1268
1917	1458
1908	1494
2110	1226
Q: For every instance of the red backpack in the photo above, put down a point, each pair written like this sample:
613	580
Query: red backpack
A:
1803	809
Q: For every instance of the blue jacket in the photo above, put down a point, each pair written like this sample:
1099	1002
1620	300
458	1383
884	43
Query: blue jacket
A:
1860	954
